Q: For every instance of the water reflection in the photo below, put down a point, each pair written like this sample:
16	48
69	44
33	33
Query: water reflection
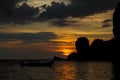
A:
72	71
100	71
84	71
61	70
65	71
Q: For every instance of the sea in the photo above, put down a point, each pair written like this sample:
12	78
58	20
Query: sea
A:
61	70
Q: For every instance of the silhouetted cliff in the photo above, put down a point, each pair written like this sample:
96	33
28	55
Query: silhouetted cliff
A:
116	22
99	49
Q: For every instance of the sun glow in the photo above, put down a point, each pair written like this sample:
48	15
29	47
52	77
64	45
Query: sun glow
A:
66	52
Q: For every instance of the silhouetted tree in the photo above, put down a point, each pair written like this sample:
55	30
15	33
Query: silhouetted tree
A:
97	43
116	22
82	44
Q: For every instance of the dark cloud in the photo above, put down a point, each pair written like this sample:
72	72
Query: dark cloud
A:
55	10
9	12
28	37
94	35
6	6
77	8
24	13
107	23
63	22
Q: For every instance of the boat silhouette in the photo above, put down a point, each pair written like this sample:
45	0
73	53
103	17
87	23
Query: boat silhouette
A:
35	63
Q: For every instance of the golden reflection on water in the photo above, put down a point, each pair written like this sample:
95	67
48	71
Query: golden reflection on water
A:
66	71
84	71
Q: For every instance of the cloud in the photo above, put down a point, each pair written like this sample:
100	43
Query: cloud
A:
24	13
107	23
55	10
28	37
63	22
9	12
6	7
77	8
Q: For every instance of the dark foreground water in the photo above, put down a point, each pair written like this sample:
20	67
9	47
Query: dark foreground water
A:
61	70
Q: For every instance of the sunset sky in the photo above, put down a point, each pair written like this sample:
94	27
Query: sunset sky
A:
37	29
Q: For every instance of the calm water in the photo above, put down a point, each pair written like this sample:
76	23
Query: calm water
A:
61	70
